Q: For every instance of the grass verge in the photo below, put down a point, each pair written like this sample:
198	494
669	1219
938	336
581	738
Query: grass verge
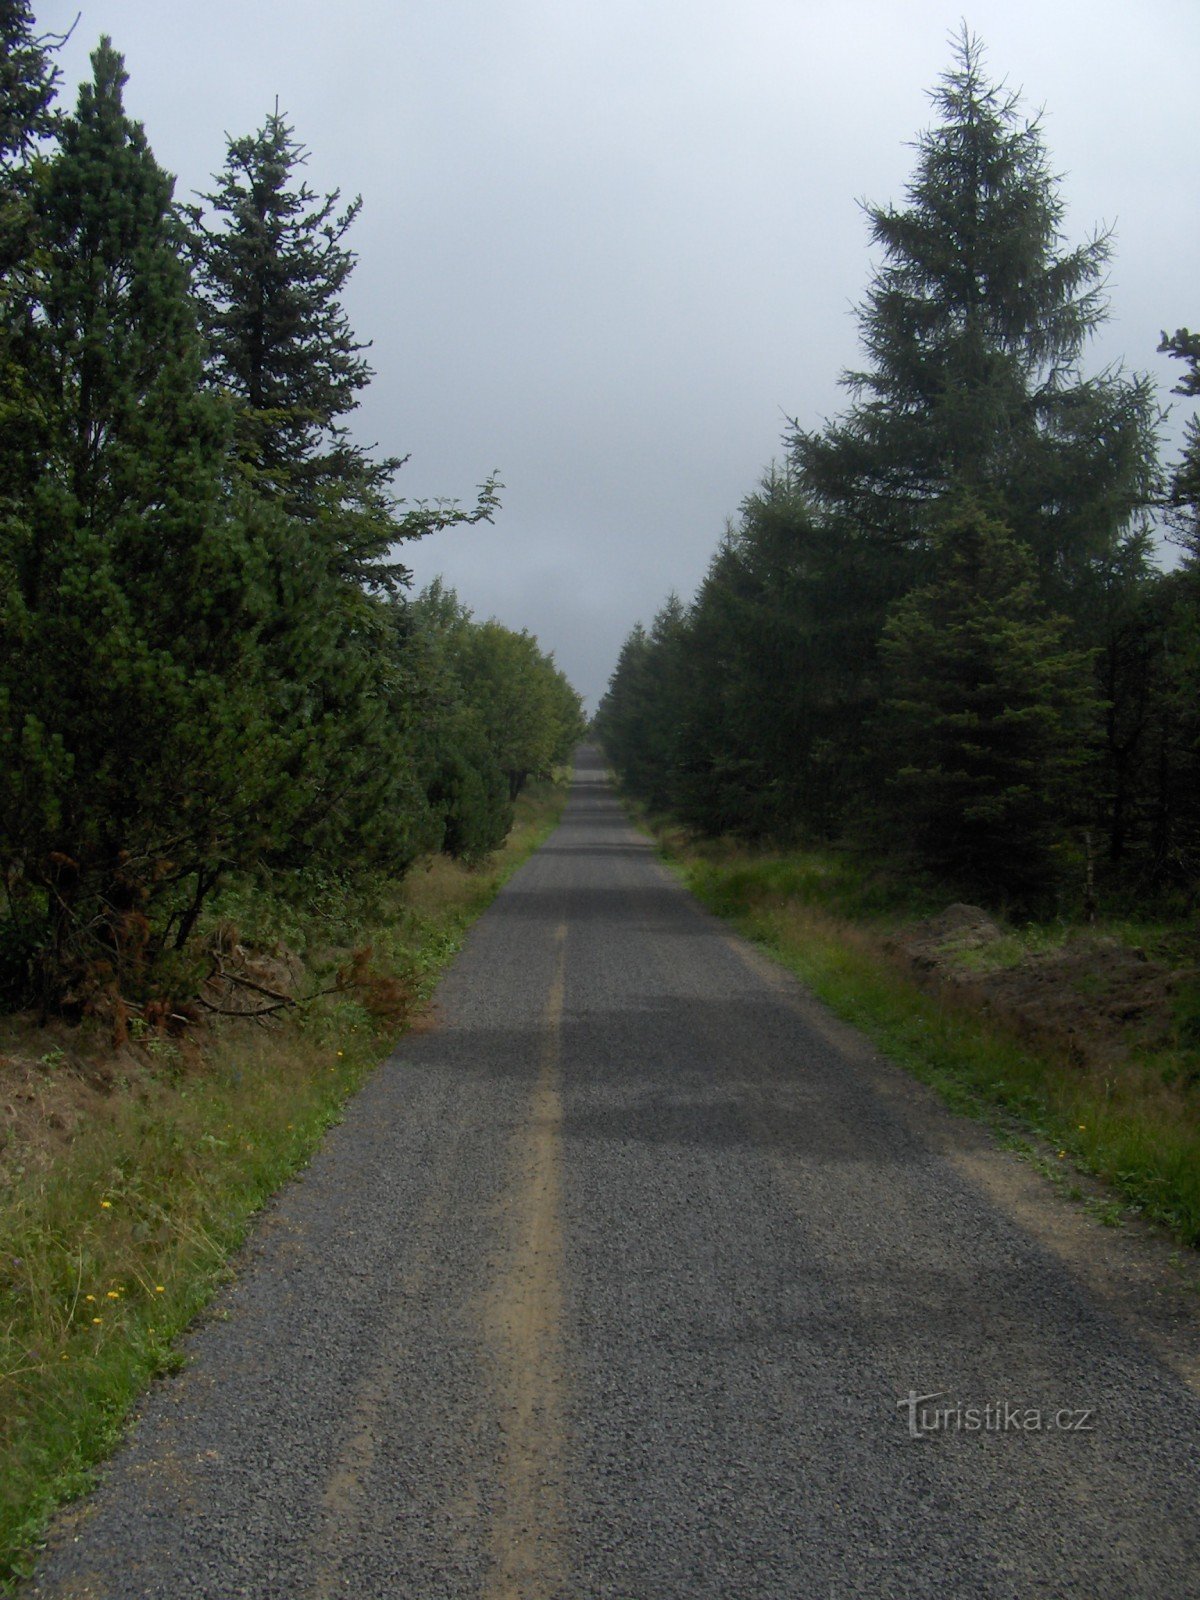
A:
138	1175
1133	1123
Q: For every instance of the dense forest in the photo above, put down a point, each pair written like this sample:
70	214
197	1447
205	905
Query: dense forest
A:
938	629
211	667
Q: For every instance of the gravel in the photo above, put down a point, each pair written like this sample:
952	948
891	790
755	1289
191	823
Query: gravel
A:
616	1283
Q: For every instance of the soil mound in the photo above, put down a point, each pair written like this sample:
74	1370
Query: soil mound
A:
1094	996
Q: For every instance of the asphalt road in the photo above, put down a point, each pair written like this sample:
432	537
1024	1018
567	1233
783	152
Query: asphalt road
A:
618	1282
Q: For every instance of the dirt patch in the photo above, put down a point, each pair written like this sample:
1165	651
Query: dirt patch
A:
60	1079
41	1110
1099	999
58	1082
960	927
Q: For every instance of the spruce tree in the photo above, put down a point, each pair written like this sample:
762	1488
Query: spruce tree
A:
641	716
1176	833
272	261
1184	496
622	711
975	324
988	717
270	276
777	661
28	80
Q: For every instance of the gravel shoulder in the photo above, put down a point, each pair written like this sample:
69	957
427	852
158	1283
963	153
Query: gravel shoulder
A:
626	1279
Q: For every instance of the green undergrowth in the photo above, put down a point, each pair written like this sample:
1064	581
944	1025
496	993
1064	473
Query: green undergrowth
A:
1134	1123
129	1178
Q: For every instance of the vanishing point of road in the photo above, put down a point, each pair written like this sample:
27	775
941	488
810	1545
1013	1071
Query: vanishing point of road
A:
627	1278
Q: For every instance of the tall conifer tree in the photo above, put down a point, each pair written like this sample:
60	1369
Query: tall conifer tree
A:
271	274
1185	480
28	80
988	716
975	325
132	742
272	262
1176	830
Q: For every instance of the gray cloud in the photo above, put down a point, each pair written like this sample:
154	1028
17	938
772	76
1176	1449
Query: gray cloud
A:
608	247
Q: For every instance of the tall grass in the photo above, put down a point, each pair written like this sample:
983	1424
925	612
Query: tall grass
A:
1135	1125
113	1241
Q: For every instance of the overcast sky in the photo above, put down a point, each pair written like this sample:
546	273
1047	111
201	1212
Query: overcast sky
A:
610	246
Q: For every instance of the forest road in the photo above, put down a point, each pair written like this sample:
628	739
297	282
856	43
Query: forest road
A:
626	1278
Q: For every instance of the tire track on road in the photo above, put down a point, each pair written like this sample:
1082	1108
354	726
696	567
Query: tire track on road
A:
524	1323
349	1475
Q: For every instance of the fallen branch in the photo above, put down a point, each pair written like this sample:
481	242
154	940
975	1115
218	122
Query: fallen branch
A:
263	1011
258	988
280	1002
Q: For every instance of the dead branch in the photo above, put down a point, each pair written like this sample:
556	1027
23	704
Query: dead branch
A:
263	1011
280	1002
249	983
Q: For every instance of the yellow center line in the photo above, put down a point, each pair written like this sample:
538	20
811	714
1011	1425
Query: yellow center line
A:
525	1324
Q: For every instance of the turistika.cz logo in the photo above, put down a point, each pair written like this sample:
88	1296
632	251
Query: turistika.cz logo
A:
937	1413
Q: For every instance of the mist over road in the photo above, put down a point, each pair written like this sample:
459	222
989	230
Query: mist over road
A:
626	1278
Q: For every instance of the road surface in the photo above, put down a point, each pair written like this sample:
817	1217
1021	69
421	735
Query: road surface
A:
628	1278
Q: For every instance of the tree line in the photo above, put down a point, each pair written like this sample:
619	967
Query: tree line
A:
210	661
938	626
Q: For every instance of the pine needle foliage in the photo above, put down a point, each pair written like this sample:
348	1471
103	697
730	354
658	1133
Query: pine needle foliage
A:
975	323
130	742
209	667
990	712
937	626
